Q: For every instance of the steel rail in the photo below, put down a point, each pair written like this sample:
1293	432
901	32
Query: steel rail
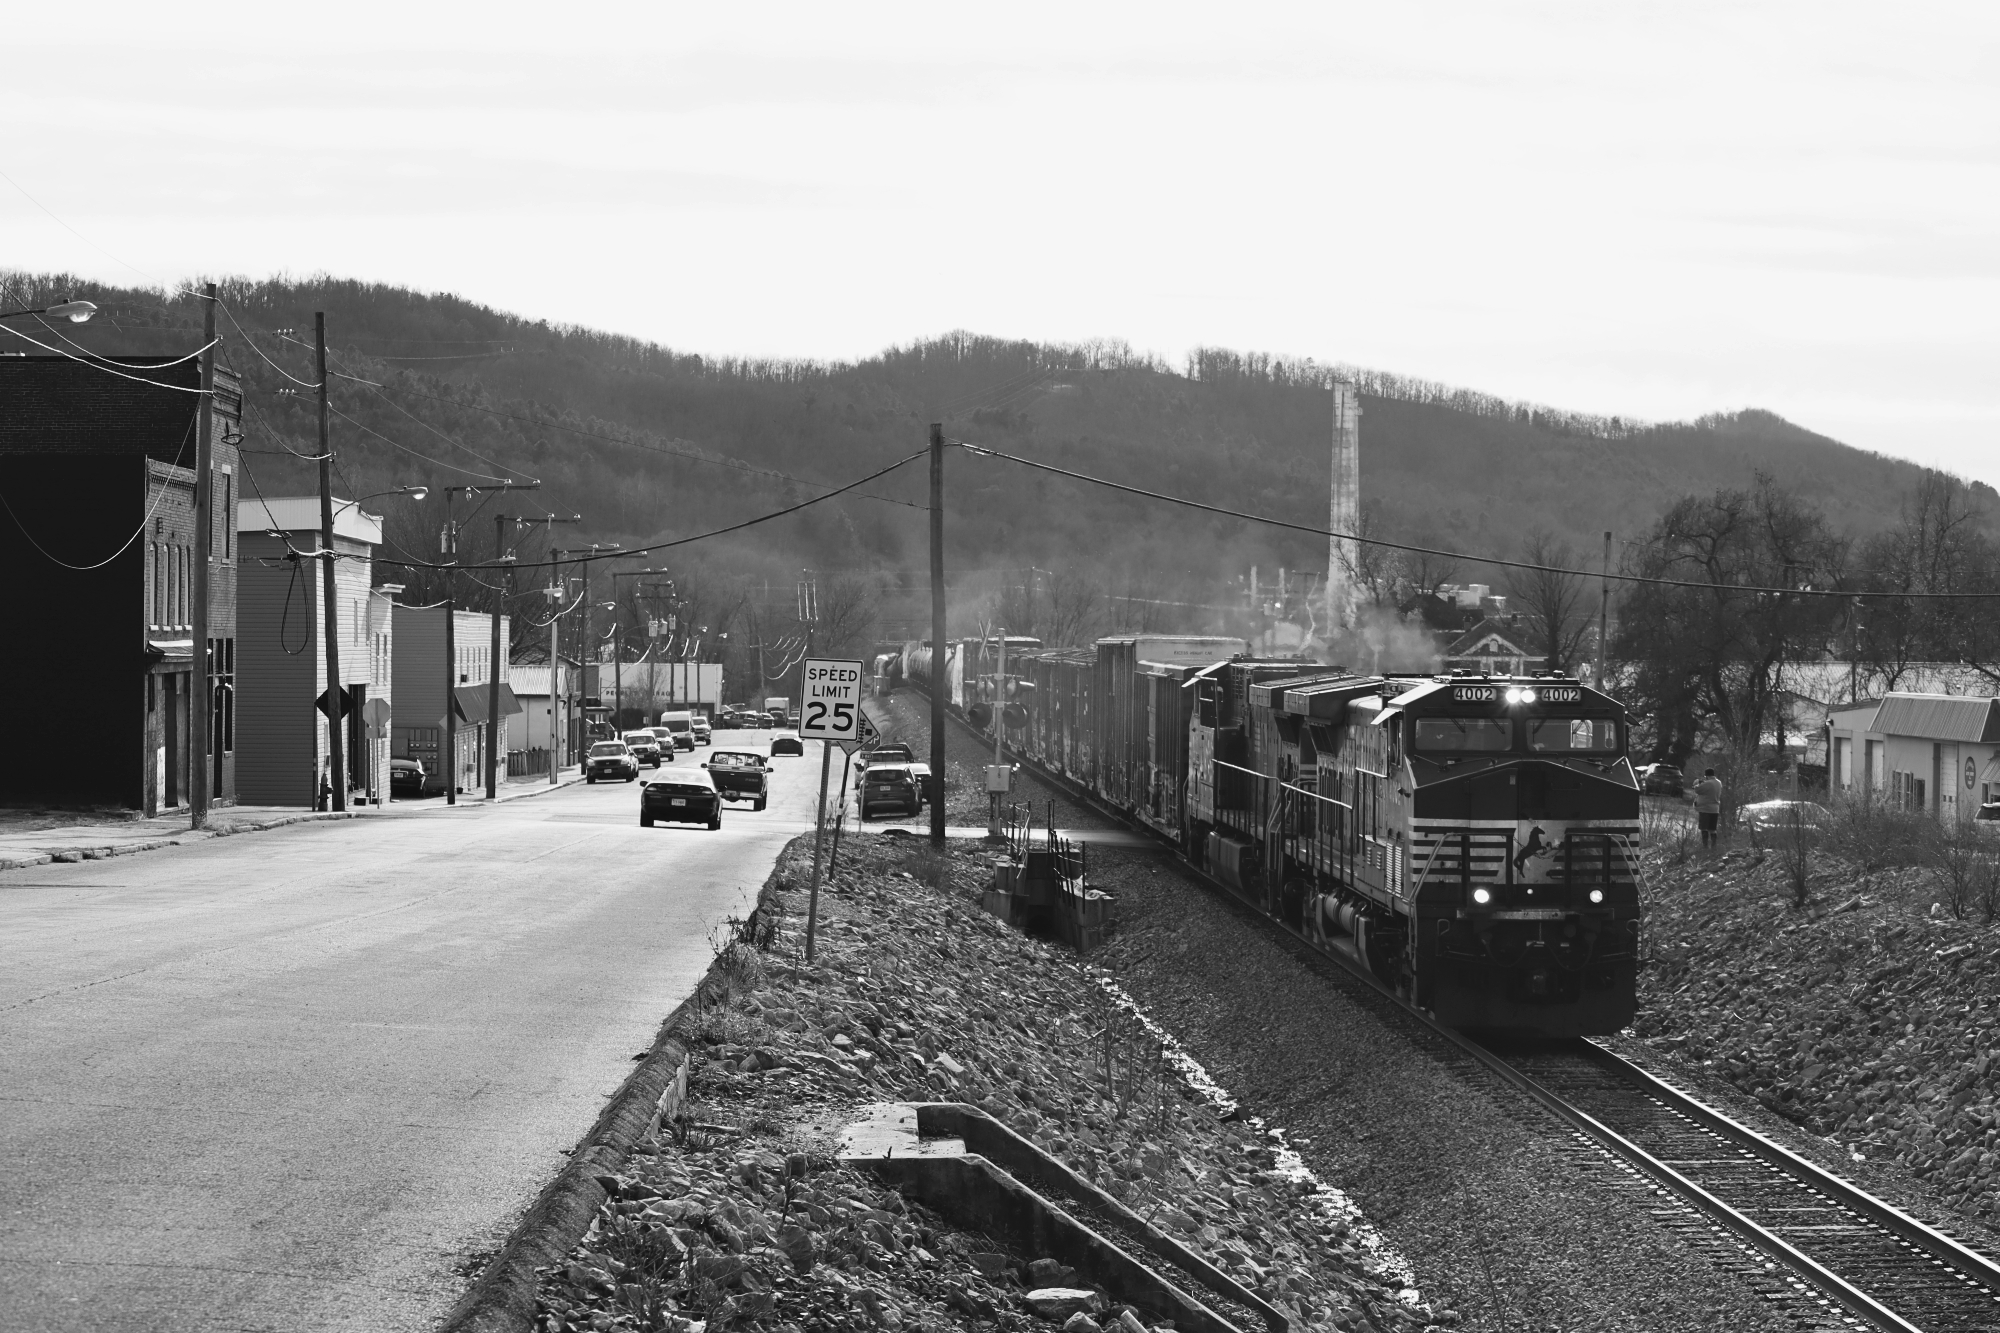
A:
1885	1215
1837	1289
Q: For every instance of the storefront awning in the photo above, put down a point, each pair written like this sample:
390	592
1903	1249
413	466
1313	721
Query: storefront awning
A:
472	703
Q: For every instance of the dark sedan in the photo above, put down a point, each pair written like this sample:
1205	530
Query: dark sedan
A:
891	787
685	797
611	761
408	781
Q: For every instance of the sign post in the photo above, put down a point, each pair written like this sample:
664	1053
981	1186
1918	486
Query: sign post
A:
830	713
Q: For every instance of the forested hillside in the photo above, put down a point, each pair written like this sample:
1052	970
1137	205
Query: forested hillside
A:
649	443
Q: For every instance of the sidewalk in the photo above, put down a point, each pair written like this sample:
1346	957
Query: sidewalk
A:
37	837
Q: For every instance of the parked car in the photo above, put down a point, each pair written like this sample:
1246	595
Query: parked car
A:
762	721
686	796
741	774
1780	816
409	781
891	787
791	745
895	752
1661	780
703	734
645	747
611	760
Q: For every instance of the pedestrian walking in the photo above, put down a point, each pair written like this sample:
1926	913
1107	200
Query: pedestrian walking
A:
1708	805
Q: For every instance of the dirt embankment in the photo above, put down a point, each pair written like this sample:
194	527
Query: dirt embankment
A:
1867	1017
738	1215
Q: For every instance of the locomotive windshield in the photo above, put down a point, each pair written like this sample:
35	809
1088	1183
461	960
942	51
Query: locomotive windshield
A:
1464	735
1573	735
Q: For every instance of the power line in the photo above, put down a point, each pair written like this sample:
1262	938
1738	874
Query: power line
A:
651	445
683	541
1462	555
484	476
98	365
151	509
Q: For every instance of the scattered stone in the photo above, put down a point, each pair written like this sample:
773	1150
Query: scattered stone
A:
1081	1323
1057	1304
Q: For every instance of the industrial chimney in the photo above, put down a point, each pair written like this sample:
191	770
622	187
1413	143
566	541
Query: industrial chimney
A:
1344	514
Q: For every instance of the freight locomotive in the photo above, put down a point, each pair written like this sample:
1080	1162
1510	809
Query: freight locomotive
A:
1472	839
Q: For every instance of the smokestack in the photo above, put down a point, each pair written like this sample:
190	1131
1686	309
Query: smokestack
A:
1344	513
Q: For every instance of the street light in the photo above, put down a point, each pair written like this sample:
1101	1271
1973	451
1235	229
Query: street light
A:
76	312
414	492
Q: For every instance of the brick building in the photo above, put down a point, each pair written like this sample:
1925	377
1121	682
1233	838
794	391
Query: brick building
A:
281	663
97	528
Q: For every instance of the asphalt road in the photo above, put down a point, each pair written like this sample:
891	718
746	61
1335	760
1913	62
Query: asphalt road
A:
292	1080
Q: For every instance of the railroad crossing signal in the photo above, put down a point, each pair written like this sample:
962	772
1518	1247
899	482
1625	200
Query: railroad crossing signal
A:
831	709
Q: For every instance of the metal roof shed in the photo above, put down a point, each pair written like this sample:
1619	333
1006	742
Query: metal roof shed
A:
1939	717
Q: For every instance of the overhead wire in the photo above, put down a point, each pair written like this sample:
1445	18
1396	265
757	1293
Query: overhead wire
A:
99	365
652	446
631	552
151	509
252	344
1464	556
439	462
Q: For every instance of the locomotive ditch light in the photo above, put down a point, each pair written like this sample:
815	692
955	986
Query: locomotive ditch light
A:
1597	895
1482	896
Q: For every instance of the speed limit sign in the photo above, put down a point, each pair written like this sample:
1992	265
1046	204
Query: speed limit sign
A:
831	709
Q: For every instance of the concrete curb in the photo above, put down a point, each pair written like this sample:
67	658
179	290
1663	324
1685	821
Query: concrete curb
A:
502	1298
73	854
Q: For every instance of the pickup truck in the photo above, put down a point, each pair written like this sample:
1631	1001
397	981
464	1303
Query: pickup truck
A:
741	774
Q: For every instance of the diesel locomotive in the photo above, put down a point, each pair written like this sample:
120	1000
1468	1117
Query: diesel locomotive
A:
1472	839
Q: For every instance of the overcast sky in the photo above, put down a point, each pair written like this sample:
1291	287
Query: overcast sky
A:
1657	210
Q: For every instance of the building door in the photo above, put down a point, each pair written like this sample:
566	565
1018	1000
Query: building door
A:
175	727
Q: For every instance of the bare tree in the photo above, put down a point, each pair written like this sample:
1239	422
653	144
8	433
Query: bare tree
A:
1074	608
1425	573
1555	606
846	617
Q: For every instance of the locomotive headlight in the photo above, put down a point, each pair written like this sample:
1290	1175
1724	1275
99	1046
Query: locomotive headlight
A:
1513	696
1527	696
1597	895
1482	896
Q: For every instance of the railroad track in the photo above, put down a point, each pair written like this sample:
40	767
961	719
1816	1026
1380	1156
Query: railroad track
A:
1845	1259
1867	1263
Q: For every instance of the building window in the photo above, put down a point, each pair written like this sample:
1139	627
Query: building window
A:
228	514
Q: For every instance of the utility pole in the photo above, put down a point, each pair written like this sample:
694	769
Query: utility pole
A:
204	551
1603	614
448	752
937	635
336	697
450	542
493	656
999	725
555	592
500	522
556	589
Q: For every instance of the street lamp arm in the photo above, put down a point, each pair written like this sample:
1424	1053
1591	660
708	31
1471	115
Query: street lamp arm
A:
76	312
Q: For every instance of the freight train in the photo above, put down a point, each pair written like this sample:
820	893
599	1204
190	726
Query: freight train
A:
1472	839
